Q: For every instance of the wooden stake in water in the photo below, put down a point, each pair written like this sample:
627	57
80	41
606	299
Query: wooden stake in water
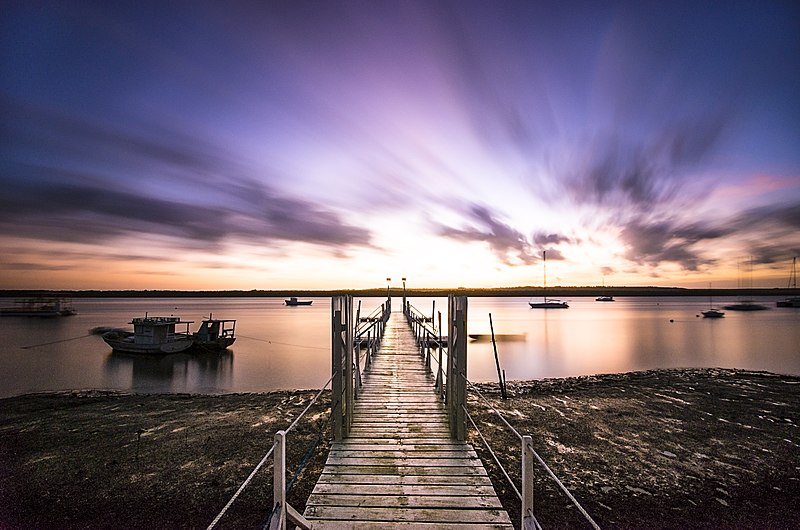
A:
497	361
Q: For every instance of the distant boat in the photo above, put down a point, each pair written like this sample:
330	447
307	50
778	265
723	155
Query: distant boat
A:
604	299
215	334
746	305
712	312
42	307
548	303
151	335
499	337
792	301
293	301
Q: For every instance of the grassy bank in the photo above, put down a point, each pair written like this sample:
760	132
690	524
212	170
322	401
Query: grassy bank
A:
659	449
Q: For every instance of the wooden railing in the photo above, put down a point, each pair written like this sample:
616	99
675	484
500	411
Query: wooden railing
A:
451	382
452	356
349	334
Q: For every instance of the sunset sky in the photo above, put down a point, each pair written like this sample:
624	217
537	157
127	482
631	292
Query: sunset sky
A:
272	145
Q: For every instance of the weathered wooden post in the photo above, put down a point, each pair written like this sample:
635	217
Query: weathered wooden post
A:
342	365
457	365
527	483
337	360
349	388
356	351
279	482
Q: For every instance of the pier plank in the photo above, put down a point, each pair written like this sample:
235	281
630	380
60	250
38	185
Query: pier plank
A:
399	467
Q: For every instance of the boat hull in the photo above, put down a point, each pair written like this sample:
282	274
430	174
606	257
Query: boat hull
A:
789	302
548	305
746	307
221	343
299	302
123	342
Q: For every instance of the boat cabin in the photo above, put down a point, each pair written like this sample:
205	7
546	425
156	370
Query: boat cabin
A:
158	330
213	329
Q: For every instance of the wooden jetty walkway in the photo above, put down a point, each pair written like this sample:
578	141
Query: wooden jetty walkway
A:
398	465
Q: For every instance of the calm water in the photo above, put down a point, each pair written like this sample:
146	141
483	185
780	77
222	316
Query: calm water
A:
283	347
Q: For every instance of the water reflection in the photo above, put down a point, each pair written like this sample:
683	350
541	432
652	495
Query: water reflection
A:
204	372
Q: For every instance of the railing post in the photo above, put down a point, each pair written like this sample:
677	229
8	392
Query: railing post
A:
439	381
457	367
427	351
342	383
349	388
527	483
279	481
337	359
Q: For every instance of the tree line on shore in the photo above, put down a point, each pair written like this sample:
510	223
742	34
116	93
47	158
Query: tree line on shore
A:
521	291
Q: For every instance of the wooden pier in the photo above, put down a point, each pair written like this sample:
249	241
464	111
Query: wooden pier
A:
397	464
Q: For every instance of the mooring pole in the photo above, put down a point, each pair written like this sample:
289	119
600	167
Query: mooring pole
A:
497	360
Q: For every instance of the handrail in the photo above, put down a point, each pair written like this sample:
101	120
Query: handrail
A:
424	336
241	488
527	445
266	456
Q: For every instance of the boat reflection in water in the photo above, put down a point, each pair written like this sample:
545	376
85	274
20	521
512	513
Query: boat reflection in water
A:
180	372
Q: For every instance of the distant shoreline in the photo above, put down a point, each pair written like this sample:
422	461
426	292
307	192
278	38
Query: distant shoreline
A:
396	292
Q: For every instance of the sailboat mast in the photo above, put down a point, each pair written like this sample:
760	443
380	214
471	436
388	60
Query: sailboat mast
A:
793	275
544	256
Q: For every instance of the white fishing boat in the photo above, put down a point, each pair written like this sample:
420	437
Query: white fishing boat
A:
151	335
547	303
604	299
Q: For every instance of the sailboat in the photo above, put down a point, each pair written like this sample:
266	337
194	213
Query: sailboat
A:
792	301
712	312
747	305
548	303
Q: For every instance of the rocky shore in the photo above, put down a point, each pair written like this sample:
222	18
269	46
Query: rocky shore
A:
658	449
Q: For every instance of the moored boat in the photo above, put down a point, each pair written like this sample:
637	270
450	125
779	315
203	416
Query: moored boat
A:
746	305
604	299
792	301
713	313
547	303
151	335
215	334
293	301
39	307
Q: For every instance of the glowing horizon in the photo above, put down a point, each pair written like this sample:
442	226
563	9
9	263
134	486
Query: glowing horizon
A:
333	145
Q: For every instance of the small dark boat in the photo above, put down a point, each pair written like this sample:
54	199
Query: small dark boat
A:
792	301
713	313
746	305
293	301
214	334
549	303
499	337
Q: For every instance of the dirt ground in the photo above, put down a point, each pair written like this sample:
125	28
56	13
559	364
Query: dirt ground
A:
657	449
